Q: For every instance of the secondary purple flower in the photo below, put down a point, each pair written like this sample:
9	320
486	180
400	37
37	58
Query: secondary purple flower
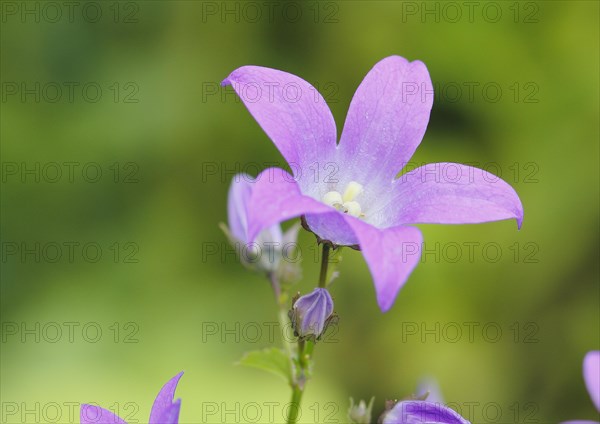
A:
591	375
164	410
265	251
312	313
348	192
418	411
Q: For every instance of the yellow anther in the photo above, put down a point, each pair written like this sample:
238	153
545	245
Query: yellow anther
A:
353	189
346	203
333	198
352	208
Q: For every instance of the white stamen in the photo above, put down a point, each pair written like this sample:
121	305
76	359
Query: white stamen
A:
353	208
333	198
353	189
346	203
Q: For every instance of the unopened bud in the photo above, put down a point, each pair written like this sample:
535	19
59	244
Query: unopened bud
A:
311	314
361	413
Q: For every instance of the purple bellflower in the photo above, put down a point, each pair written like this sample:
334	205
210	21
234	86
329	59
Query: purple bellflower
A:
360	201
265	251
311	314
418	411
591	375
164	410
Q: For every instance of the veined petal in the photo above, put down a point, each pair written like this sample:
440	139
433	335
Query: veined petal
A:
387	119
290	110
276	197
163	404
332	227
449	193
237	201
591	374
420	412
90	414
170	415
391	255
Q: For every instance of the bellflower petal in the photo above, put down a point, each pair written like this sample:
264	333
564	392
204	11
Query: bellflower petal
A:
276	197
450	193
391	255
387	119
332	227
591	375
164	408
237	214
580	422
421	412
169	415
237	199
90	414
290	110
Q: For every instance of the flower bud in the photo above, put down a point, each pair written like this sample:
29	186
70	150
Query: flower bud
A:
271	251
311	314
361	413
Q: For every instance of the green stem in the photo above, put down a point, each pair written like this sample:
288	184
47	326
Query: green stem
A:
294	408
283	325
324	264
305	350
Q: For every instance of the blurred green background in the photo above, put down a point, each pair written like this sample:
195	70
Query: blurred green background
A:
146	111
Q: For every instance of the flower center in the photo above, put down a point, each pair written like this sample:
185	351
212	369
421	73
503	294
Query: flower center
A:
345	203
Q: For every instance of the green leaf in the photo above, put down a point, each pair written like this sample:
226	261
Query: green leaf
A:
272	360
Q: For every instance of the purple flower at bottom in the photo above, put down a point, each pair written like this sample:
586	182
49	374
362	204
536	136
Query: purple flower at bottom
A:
421	412
591	375
164	410
348	191
311	314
